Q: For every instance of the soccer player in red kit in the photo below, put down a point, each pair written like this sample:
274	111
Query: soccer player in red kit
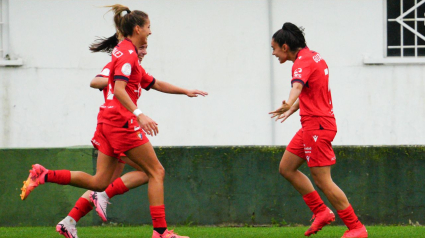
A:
119	185
119	123
312	143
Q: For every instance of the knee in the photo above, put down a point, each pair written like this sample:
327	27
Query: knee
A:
158	173
286	173
323	184
100	186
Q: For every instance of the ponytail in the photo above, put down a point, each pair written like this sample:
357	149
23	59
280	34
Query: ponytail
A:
104	44
124	26
291	35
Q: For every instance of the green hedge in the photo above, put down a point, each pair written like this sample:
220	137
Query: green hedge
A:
224	185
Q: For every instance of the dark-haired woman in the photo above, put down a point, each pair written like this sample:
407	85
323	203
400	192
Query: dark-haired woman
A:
312	143
118	125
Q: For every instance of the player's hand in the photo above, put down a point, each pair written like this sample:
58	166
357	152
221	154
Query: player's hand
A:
195	93
282	109
148	125
284	116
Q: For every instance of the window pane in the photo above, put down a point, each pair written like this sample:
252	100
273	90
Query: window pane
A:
393	34
407	4
408	36
421	52
393	52
409	52
393	9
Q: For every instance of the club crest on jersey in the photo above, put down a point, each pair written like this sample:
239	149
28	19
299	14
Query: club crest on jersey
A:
317	58
126	69
117	53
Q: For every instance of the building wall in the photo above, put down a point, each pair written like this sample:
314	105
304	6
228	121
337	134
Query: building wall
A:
222	47
224	185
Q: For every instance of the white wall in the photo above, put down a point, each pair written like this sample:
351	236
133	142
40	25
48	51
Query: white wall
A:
222	47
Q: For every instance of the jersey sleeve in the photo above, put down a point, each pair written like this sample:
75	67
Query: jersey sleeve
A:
106	71
124	64
301	71
147	80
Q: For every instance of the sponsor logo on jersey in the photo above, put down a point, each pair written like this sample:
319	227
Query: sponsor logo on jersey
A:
131	51
297	73
95	142
126	69
136	128
315	138
105	72
117	53
308	158
326	71
317	58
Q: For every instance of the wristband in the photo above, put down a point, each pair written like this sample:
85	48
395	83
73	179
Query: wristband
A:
137	112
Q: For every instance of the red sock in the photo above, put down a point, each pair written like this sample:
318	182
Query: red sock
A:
81	208
314	202
58	176
349	218
158	216
115	188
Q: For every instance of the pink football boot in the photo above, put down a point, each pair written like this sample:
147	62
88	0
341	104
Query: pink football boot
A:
356	233
100	201
36	177
167	234
321	219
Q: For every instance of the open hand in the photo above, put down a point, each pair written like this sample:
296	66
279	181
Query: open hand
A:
195	93
282	109
148	125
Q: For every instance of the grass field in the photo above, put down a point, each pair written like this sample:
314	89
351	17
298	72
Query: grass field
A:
212	232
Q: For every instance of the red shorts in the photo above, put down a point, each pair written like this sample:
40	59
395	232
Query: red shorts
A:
114	141
314	146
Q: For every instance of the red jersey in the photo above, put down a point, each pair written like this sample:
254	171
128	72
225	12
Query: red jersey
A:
125	67
316	109
106	71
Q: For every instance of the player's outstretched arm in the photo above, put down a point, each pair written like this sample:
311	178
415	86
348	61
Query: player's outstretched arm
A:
172	89
99	82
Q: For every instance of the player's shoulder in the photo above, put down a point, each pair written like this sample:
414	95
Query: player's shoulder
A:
307	56
124	50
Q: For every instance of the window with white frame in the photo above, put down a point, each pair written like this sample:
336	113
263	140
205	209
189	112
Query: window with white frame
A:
405	28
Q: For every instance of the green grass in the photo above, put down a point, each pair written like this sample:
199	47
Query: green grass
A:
212	232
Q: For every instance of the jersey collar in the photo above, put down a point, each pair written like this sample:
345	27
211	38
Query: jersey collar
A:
305	48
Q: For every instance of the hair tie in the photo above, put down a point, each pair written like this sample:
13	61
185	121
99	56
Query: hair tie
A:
128	11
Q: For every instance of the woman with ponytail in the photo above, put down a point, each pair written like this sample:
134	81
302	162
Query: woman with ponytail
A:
119	121
312	143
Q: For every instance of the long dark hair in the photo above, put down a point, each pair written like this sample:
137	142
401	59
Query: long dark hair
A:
291	35
104	44
124	26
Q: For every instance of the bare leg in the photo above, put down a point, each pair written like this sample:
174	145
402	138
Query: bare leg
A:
145	157
288	168
134	179
323	180
117	173
104	171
